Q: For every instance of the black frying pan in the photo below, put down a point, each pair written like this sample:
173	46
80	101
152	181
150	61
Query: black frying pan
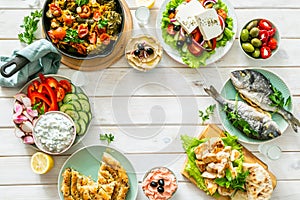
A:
19	61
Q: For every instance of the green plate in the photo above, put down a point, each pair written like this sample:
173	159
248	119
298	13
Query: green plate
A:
229	92
87	161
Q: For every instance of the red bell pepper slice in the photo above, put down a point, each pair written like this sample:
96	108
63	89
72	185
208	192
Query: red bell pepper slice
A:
52	82
51	94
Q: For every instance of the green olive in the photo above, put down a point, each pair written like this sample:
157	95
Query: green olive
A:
248	47
245	35
254	32
256	53
256	42
252	24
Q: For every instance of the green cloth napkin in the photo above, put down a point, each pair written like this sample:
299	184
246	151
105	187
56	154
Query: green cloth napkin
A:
43	57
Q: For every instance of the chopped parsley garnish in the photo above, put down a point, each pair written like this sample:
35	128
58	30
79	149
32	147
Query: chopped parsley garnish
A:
72	36
108	137
102	23
207	113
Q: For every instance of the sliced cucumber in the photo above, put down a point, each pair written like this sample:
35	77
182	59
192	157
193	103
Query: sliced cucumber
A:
85	105
66	106
84	116
76	104
73	88
69	97
78	129
82	96
83	126
73	114
90	116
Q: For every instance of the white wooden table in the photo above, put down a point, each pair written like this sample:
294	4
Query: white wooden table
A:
147	112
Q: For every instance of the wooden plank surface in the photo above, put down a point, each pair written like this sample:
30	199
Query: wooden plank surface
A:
147	112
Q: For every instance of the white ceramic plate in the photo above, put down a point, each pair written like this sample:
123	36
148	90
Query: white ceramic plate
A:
220	51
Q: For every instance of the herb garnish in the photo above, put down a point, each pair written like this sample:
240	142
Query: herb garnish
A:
72	36
81	2
30	24
237	183
239	123
278	99
108	137
208	111
102	23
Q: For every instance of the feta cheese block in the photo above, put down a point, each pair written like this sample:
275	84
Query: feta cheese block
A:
209	24
186	15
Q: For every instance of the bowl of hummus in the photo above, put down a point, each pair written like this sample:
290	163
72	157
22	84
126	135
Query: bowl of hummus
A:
143	52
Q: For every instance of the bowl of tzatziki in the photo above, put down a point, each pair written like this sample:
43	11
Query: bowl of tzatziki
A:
54	132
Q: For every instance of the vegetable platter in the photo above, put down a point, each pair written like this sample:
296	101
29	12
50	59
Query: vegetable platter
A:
213	131
50	93
192	49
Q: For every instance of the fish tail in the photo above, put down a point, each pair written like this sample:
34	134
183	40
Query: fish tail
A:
291	119
211	91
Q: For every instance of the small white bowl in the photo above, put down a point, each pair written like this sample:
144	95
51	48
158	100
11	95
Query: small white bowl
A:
276	36
61	132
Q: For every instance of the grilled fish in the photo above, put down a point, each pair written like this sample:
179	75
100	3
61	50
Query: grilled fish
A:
256	88
260	122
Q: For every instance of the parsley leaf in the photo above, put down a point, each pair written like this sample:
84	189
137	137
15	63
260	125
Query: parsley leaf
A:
30	24
108	137
72	36
278	99
208	112
81	2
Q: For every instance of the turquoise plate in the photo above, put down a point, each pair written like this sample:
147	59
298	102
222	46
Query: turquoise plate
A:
87	161
229	92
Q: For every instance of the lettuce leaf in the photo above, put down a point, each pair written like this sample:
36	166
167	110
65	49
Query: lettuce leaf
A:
189	144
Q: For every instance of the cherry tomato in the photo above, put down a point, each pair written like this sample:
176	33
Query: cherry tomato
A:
93	38
68	19
97	14
57	34
171	30
105	38
264	25
196	34
265	52
272	43
83	30
86	12
60	93
194	49
66	85
55	10
263	36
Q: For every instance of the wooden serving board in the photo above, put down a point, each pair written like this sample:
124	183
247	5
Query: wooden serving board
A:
117	53
214	131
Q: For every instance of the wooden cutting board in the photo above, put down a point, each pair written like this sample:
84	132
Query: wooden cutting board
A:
117	53
214	131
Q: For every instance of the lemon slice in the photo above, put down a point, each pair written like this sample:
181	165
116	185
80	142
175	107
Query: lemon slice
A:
41	163
147	3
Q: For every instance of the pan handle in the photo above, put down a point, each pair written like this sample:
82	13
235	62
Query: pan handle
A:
18	63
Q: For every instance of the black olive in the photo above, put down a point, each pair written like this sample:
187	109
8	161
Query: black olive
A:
171	10
149	51
177	28
153	184
179	43
160	189
141	46
161	182
189	40
136	52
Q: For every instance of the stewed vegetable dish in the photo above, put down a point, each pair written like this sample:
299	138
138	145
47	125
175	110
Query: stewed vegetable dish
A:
84	27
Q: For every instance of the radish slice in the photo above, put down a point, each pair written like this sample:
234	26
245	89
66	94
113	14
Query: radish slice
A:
32	113
26	126
18	119
25	113
28	139
19	95
19	133
18	108
26	101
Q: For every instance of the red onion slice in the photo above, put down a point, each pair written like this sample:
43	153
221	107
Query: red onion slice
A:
209	1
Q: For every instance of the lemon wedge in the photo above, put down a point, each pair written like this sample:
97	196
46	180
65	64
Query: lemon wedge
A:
41	163
147	3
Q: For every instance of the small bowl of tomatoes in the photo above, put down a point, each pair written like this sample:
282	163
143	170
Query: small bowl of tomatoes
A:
259	39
